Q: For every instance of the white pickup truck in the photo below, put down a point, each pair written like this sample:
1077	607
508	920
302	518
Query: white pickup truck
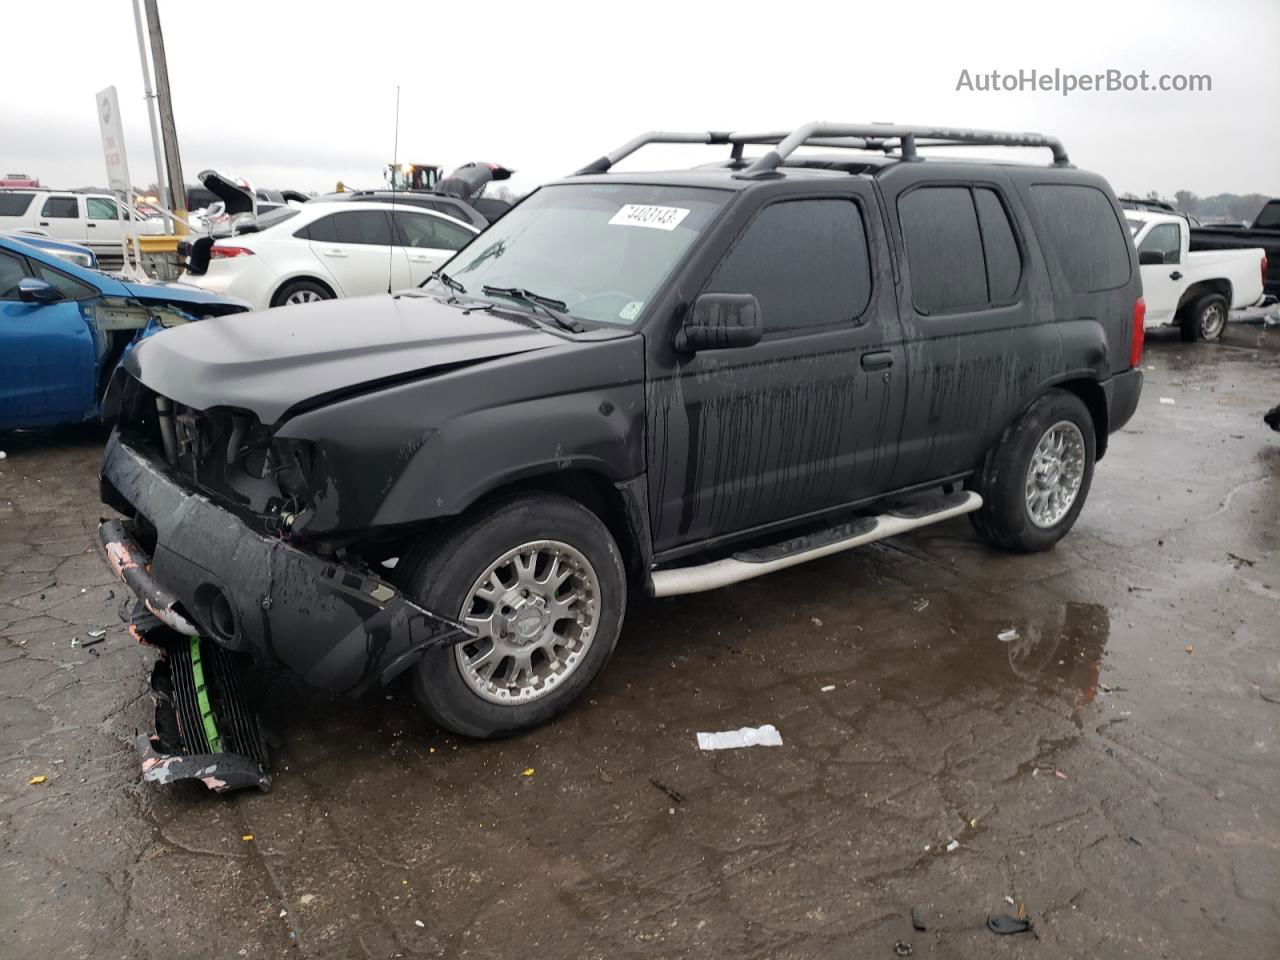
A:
1195	289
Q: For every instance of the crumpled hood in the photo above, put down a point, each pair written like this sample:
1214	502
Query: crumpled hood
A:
271	361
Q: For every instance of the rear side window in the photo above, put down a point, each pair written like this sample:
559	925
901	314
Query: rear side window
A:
1083	235
1004	262
806	261
60	207
1269	218
424	230
354	226
14	204
944	249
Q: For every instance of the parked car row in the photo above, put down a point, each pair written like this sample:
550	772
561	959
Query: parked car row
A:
91	219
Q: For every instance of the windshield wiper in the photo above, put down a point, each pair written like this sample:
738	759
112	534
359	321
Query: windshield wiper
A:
447	280
555	309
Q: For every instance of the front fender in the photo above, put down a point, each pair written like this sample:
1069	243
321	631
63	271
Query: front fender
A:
431	447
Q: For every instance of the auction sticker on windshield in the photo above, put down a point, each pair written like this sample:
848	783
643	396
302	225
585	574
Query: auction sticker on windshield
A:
648	215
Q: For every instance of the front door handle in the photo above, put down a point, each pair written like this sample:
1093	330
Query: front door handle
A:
44	223
1176	275
91	226
879	360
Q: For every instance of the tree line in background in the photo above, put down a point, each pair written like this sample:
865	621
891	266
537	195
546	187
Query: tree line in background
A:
1228	206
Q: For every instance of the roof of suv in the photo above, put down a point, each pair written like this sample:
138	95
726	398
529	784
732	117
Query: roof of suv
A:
866	150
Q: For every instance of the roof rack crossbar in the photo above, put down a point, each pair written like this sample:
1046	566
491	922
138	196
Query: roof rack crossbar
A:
905	138
881	137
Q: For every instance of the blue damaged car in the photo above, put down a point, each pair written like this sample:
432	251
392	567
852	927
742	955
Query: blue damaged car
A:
65	328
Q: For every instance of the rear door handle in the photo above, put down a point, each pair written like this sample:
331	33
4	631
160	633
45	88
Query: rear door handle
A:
44	223
1176	275
879	360
91	226
335	253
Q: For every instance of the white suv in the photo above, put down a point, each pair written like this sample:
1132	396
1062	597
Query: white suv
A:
321	250
92	219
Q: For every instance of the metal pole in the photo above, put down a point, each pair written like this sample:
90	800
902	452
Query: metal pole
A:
162	181
164	102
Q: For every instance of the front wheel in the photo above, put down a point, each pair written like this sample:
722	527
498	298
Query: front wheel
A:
1035	481
541	581
1206	319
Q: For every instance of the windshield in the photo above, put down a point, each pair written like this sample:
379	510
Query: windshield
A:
603	250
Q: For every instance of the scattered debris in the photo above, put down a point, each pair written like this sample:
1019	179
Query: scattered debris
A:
1168	401
902	948
920	605
306	899
283	913
1134	840
247	837
675	795
527	772
1009	901
1003	924
1007	636
828	688
1059	774
953	845
97	634
604	777
1239	561
1190	648
37	780
766	736
418	923
917	920
815	621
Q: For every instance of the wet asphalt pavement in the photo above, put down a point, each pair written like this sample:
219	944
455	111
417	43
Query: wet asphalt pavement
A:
1115	769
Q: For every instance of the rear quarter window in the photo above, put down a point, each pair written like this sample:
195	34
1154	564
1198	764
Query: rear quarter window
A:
14	204
1082	233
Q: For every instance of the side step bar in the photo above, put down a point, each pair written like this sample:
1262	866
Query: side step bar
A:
748	564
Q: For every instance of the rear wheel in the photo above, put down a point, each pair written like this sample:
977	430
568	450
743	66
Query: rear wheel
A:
1035	481
1206	319
301	291
542	583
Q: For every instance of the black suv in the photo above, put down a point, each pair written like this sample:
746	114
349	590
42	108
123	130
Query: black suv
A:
665	382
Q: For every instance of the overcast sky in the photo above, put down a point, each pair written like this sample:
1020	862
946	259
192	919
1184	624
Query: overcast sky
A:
302	94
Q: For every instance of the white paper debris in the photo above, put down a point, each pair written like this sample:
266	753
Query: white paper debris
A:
1168	401
766	736
1007	636
952	845
1009	901
97	633
418	923
828	688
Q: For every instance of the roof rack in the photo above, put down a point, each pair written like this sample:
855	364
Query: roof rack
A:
880	137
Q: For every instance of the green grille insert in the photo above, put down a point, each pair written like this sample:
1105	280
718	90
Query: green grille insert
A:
202	698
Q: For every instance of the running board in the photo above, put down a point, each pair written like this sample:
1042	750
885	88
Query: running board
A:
748	564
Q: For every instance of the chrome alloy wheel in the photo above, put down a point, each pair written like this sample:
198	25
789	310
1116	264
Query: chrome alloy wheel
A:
535	609
1055	474
1212	320
303	296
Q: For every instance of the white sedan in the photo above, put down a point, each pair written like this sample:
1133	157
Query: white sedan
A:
320	251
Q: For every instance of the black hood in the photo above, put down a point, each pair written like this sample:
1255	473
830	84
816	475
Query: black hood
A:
270	362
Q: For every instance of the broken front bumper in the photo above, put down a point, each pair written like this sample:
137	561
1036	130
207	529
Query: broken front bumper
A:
210	573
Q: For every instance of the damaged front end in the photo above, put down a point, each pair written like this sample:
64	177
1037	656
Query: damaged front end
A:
212	503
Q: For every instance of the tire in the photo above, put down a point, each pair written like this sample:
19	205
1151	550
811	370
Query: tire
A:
1006	518
301	291
1206	318
444	573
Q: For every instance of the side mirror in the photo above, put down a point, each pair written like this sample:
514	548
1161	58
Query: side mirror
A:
31	290
1150	258
719	321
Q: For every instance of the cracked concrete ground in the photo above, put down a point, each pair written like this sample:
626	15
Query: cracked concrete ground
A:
1148	639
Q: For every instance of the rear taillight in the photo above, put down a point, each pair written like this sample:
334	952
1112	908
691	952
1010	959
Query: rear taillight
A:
223	253
1264	269
1139	333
